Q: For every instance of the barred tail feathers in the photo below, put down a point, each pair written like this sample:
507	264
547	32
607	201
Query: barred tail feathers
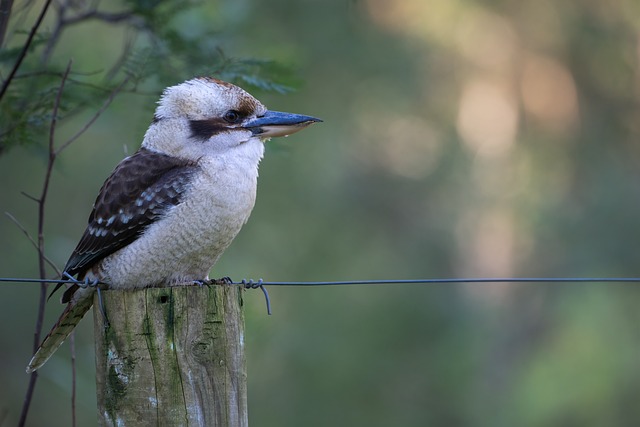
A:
71	316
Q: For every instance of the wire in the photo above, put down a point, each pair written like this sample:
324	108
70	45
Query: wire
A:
21	280
256	284
250	284
438	281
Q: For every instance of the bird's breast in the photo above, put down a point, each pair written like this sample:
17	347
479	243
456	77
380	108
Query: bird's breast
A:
188	240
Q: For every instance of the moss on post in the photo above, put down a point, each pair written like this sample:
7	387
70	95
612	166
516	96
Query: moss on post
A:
171	356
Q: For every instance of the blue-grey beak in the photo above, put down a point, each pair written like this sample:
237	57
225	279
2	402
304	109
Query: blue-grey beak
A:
276	123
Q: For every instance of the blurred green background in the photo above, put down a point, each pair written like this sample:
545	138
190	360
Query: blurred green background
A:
461	139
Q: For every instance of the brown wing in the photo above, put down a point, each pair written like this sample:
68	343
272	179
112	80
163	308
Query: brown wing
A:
140	190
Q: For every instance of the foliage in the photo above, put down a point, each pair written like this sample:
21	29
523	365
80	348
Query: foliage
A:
157	50
36	95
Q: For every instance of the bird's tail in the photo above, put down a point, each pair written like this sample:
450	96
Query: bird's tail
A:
71	316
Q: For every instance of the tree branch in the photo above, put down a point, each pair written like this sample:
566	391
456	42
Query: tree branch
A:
29	196
33	242
55	33
25	48
41	259
94	13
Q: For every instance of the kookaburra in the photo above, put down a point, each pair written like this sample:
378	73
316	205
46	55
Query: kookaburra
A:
167	213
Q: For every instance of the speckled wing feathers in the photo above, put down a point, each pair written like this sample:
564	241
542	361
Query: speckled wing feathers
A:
139	191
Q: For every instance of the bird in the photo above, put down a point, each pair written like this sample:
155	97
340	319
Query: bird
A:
167	213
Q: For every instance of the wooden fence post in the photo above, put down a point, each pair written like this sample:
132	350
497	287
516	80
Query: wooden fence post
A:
171	357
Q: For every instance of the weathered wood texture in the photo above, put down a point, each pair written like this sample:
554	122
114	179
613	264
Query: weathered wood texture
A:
171	357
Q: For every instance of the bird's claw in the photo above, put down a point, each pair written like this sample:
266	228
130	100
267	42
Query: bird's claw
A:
224	281
208	282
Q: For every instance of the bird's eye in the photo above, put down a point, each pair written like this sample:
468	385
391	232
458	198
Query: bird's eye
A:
232	116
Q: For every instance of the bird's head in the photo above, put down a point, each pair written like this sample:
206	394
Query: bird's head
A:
206	116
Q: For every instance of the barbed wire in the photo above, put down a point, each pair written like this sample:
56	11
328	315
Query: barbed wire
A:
260	284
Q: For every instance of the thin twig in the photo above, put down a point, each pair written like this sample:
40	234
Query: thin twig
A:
29	196
106	104
55	33
62	22
33	242
41	259
25	48
30	74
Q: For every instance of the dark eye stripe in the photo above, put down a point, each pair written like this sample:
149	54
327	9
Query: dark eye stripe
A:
205	129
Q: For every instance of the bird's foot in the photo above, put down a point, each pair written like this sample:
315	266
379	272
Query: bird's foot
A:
222	281
208	282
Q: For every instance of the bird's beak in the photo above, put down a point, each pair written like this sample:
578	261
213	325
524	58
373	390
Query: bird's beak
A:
275	123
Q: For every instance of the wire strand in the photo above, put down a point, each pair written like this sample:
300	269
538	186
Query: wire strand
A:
63	281
441	281
260	282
